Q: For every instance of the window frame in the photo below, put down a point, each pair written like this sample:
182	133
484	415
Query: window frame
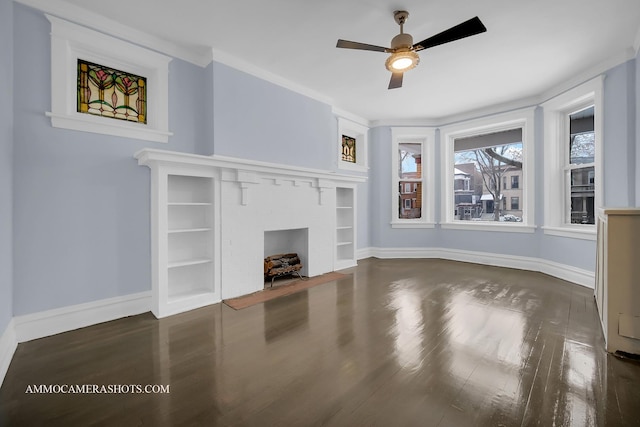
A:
426	137
557	204
359	133
524	119
70	42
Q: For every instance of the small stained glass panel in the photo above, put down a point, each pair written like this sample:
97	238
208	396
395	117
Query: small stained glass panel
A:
107	92
348	149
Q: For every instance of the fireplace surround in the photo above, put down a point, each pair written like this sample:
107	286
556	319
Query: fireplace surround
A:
213	217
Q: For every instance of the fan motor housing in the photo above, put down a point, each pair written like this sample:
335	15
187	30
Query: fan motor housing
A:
402	40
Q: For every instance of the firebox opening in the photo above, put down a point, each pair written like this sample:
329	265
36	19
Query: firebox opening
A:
289	241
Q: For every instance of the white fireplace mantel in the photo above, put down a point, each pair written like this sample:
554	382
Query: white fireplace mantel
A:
209	215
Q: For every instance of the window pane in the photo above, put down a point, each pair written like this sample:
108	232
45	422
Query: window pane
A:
410	155
515	203
410	200
480	180
583	195
410	191
348	149
582	145
108	92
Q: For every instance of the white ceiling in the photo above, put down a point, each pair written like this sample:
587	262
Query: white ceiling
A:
530	46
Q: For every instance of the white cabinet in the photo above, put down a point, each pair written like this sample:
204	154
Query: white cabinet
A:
345	228
617	289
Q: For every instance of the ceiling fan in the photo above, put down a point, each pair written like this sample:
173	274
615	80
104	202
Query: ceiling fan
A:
403	51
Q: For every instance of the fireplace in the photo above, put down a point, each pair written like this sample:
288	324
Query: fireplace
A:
288	241
245	211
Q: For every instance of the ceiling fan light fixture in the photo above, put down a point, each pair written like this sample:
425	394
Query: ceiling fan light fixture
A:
402	61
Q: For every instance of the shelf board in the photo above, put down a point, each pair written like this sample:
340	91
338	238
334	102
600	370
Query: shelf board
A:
188	262
188	230
344	207
344	243
344	227
192	293
189	203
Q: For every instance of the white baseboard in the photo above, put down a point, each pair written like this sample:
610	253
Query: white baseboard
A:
45	323
568	273
561	271
8	345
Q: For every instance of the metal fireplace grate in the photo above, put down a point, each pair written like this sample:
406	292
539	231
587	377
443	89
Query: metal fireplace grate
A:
282	265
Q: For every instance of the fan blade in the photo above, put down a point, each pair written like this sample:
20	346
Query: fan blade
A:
346	44
396	80
468	28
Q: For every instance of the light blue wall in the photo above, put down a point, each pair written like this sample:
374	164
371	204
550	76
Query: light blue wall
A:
621	94
6	164
258	120
81	228
619	136
207	145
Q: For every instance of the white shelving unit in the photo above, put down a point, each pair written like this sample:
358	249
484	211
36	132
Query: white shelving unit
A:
345	228
183	235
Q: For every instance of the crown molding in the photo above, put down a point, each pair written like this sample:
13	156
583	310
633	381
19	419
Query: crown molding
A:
196	55
425	122
351	117
588	74
532	101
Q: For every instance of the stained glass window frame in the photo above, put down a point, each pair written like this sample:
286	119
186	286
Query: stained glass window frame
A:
70	42
350	131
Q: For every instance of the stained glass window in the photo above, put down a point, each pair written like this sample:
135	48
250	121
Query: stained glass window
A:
108	92
348	149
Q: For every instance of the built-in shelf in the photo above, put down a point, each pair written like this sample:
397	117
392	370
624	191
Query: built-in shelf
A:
183	257
189	262
345	227
190	294
189	230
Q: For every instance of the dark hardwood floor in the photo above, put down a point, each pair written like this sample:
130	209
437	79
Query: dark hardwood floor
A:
396	343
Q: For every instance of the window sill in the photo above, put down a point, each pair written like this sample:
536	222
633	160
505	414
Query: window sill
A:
572	232
355	167
490	226
107	127
409	224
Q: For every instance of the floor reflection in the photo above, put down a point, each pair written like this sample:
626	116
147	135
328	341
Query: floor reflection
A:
408	327
399	342
284	315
